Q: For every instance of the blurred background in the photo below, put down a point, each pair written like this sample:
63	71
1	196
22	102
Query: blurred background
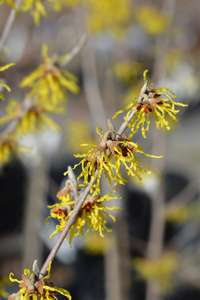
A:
154	250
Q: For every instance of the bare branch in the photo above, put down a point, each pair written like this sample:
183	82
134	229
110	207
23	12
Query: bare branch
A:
74	51
9	23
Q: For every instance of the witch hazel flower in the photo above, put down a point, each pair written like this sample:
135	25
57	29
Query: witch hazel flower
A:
109	156
151	101
50	81
32	287
93	213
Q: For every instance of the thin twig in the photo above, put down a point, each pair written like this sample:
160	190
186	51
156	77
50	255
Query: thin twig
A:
74	51
9	23
73	183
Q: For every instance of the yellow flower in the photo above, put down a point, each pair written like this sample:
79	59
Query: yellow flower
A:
177	213
112	15
127	71
9	148
3	83
92	214
37	9
153	101
109	156
34	119
161	269
9	2
3	281
95	245
49	81
31	287
153	21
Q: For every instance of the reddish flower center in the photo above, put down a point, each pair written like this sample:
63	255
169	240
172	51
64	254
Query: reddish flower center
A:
146	110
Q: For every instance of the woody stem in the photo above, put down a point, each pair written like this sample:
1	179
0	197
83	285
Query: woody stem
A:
80	202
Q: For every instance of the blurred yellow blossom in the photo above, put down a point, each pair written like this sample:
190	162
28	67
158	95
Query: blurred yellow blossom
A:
151	19
177	213
37	8
49	82
9	148
92	214
162	269
3	281
109	156
153	101
173	58
127	71
3	83
33	287
77	130
180	213
95	245
9	2
111	15
31	120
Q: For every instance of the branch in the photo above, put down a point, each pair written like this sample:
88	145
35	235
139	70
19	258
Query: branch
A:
80	202
9	23
74	51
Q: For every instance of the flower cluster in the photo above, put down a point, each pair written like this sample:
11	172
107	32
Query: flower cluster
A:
31	287
109	156
92	214
152	101
49	81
